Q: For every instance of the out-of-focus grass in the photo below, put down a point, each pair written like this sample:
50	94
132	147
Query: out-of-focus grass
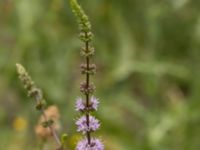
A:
147	54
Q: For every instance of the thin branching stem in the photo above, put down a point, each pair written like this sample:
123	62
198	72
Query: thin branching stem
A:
54	133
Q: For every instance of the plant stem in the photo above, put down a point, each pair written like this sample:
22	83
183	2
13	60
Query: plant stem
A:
54	134
51	129
87	85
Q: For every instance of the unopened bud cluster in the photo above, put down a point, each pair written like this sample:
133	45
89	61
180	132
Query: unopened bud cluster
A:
88	70
87	88
27	81
87	53
33	92
29	85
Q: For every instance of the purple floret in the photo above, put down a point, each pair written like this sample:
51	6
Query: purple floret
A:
94	103
95	144
80	106
83	127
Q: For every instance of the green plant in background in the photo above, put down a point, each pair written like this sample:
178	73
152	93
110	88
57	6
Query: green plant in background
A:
87	123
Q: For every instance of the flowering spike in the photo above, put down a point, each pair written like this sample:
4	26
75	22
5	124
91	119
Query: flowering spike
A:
87	123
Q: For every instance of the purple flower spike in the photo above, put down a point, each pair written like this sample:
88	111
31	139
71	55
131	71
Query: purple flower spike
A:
87	123
96	144
83	127
94	103
80	106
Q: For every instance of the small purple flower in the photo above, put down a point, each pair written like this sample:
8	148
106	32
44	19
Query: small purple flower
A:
95	144
83	127
80	106
94	103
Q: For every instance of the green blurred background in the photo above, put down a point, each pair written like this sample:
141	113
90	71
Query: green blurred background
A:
148	58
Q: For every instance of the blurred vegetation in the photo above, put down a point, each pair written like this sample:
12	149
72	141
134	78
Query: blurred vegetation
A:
148	60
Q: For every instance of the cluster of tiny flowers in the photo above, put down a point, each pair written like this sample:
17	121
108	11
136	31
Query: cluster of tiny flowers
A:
81	106
96	144
83	127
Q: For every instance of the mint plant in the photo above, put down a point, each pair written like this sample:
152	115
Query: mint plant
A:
86	123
